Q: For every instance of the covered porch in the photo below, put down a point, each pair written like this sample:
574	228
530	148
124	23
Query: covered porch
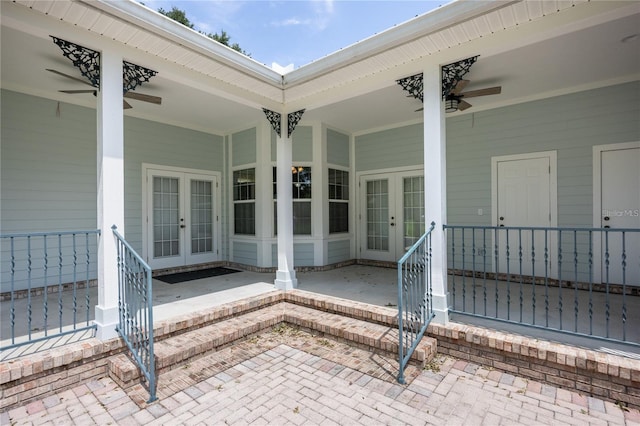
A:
239	143
362	283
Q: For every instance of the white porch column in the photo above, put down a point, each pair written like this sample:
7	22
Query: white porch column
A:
435	177
285	275
110	189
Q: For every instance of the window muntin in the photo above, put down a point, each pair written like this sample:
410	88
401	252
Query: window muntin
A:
413	205
338	181
244	206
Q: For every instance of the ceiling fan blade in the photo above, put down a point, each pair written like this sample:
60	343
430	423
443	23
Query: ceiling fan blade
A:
126	105
78	91
462	105
460	85
144	98
482	92
70	76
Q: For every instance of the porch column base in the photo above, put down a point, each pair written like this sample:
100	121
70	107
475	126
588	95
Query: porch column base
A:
106	320
440	309
286	280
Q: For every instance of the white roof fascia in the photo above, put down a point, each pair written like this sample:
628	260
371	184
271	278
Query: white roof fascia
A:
435	20
152	21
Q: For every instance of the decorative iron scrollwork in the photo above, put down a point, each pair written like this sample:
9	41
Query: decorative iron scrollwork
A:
413	85
292	120
452	73
83	58
134	75
274	119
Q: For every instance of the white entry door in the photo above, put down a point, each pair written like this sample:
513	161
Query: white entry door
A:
620	194
391	214
181	218
523	200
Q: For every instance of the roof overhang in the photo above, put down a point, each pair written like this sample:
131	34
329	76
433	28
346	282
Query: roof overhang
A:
213	88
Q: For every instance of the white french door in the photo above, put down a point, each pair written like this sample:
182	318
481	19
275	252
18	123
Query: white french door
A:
391	214
181	218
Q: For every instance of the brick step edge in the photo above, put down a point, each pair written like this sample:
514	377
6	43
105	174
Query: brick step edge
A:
172	352
372	335
178	350
349	308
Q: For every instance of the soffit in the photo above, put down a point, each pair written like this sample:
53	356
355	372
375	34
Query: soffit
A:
159	36
445	41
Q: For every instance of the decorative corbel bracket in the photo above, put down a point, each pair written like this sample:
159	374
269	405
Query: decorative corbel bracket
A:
453	73
134	75
275	117
88	62
292	120
413	85
83	58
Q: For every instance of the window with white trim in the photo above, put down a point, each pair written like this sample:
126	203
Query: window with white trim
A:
244	201
338	201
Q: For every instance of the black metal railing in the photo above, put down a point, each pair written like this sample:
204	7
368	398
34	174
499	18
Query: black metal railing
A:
135	307
582	281
415	303
46	285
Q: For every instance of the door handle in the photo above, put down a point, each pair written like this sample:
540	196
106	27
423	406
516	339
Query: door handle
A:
606	218
392	224
182	226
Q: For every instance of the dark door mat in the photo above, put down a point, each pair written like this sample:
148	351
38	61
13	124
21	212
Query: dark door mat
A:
195	275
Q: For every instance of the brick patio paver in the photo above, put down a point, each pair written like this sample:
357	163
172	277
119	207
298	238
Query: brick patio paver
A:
293	378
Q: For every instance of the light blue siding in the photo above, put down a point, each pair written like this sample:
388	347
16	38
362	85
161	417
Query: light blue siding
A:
160	144
49	164
48	168
397	147
337	148
47	183
245	253
338	251
302	140
303	254
570	124
243	147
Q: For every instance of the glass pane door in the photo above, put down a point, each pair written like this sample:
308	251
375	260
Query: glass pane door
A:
378	214
166	216
201	216
391	215
413	210
182	227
